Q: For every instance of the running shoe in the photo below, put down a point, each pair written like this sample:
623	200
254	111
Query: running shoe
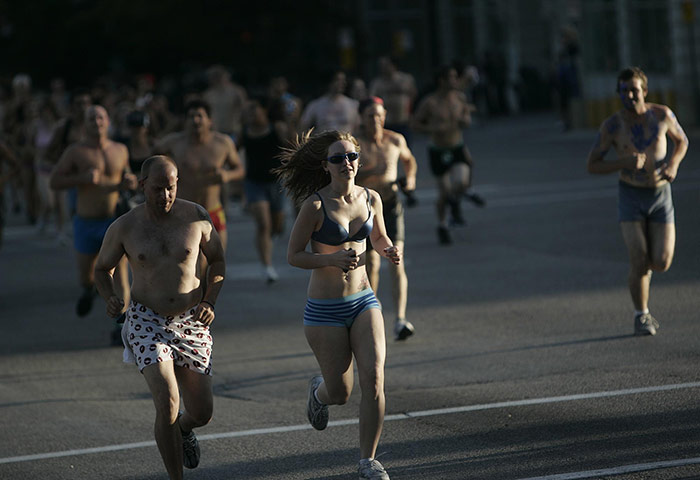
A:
372	469
477	200
271	275
403	329
645	324
456	217
84	304
190	450
315	410
62	239
444	235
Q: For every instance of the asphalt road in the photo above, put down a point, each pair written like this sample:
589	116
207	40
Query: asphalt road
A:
523	365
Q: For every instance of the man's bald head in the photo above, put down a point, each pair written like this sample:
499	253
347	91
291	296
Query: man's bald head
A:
157	163
159	182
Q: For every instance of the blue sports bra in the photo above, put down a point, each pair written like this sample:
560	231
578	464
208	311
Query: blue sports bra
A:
332	233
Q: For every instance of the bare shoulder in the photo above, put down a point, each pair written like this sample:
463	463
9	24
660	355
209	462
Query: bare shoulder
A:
661	112
312	202
75	153
311	207
612	124
191	211
74	149
395	138
222	139
118	147
374	197
125	223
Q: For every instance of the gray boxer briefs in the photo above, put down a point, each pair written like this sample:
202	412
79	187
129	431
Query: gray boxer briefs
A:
636	204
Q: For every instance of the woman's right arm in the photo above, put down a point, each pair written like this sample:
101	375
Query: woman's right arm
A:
299	238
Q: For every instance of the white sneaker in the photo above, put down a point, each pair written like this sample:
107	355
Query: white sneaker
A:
271	274
316	411
62	239
372	469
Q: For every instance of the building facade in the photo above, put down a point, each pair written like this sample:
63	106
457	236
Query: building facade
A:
525	48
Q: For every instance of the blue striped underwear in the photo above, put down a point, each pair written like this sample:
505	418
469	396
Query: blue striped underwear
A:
339	312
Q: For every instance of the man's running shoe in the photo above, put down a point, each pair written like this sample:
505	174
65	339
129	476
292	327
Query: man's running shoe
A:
403	329
477	200
645	324
315	410
372	469
456	217
444	235
190	450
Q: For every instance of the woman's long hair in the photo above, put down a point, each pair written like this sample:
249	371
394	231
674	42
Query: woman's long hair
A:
301	171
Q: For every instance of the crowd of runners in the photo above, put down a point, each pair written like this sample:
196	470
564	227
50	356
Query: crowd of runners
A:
139	182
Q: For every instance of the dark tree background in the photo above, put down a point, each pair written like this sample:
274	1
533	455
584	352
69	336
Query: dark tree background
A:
82	40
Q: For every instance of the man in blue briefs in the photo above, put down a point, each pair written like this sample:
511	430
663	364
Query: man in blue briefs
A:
98	168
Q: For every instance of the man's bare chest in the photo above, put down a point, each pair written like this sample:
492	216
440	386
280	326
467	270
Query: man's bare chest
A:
639	134
108	162
446	109
199	157
379	157
151	245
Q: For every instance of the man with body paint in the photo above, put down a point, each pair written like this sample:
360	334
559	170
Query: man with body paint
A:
637	133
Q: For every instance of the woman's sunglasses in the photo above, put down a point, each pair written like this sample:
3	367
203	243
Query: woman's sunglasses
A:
340	158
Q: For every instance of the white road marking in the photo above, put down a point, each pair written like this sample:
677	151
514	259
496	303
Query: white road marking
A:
640	467
405	416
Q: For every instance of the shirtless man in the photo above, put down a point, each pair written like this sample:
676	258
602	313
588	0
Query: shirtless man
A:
9	167
68	131
398	90
332	111
382	151
443	115
637	133
285	107
206	160
167	330
98	169
227	101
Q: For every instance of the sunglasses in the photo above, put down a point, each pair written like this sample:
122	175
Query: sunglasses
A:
340	158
